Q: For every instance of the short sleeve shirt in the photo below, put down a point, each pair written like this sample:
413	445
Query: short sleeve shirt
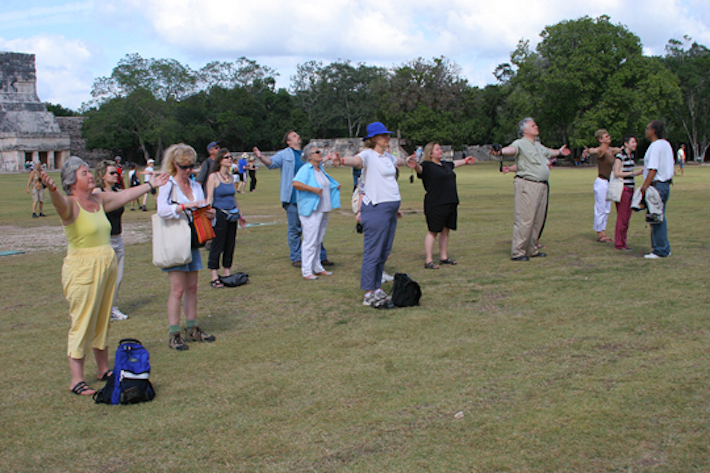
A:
380	171
531	158
659	156
439	182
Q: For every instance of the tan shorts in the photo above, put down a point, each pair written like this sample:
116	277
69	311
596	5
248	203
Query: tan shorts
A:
38	194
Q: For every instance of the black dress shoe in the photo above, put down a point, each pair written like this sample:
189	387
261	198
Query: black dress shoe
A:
296	264
327	262
539	254
520	258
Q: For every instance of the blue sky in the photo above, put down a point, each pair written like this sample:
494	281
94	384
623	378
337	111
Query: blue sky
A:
75	42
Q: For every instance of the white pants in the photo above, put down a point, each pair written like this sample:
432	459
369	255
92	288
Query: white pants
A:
313	231
602	207
117	245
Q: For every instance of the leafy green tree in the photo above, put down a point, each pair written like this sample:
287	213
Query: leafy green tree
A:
60	111
586	74
137	122
691	64
338	98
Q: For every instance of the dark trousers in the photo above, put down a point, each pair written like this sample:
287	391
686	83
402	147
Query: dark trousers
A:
252	179
223	242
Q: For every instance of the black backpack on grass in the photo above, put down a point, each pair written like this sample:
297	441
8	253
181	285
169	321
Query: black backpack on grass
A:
129	382
405	291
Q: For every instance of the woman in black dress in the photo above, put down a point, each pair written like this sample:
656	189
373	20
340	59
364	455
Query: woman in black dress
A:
440	201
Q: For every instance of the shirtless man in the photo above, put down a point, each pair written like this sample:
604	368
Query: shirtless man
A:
605	162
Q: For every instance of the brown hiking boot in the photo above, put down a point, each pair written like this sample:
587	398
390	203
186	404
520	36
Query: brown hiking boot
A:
195	334
177	343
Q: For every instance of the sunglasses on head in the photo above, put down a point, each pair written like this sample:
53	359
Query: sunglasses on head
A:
185	167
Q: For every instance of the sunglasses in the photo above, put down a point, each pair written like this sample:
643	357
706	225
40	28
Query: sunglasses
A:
186	166
317	152
113	173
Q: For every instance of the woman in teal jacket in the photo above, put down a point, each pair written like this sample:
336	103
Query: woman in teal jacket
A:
316	195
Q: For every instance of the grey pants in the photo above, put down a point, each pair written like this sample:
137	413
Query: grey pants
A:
379	223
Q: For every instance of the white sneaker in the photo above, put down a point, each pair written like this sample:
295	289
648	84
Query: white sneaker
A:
380	295
369	298
117	314
655	256
386	277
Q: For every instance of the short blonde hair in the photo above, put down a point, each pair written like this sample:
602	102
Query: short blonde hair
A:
600	134
426	154
178	154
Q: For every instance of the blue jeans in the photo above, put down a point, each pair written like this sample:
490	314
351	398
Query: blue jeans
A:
379	223
659	231
294	234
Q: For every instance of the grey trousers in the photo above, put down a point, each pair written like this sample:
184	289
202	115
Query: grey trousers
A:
529	216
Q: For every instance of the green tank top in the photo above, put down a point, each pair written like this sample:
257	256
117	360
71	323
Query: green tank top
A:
89	230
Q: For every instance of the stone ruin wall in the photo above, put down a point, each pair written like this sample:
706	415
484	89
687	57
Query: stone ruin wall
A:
72	127
28	132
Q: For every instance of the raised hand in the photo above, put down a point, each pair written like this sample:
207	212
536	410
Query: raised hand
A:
470	159
565	151
412	161
159	179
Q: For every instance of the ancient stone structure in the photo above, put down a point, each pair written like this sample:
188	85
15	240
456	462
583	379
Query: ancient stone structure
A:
72	127
28	132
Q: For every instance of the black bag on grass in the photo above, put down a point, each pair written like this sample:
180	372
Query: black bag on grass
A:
234	280
405	291
129	383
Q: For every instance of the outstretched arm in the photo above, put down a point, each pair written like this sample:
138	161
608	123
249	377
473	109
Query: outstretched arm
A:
464	161
507	151
264	159
114	200
562	151
61	202
352	161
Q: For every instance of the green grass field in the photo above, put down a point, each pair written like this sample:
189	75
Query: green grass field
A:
588	360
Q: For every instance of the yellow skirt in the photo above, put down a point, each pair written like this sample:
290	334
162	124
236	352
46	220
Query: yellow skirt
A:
89	283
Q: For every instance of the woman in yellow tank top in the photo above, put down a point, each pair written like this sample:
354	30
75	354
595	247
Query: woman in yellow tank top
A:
89	270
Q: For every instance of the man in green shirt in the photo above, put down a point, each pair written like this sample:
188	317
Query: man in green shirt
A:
532	170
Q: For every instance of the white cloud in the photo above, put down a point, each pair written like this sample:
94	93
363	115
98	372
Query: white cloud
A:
478	35
63	67
393	31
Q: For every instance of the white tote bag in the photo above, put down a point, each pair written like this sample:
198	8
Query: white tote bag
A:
615	189
171	241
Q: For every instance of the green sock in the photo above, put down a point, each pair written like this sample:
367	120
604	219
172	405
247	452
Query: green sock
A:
190	323
174	329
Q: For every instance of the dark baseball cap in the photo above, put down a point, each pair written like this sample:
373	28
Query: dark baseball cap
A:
212	145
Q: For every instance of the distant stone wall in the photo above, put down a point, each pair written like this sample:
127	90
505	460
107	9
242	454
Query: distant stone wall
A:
72	127
28	132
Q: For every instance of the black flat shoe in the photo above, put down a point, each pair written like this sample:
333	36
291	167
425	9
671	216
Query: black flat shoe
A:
521	258
539	254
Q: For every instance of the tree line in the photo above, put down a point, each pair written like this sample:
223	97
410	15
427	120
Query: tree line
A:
583	75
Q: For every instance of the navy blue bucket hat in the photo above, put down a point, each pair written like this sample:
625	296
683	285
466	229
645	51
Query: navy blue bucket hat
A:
376	128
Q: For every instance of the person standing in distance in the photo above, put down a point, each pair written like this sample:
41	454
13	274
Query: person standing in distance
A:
289	161
605	162
532	171
658	172
206	166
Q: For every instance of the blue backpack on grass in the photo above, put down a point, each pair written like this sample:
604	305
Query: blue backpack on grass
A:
129	383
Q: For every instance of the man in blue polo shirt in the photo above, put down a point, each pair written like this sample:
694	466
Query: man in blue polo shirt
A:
289	160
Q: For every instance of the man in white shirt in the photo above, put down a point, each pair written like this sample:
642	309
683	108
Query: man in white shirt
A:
658	172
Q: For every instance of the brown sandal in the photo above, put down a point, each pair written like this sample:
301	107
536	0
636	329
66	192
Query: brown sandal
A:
431	265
